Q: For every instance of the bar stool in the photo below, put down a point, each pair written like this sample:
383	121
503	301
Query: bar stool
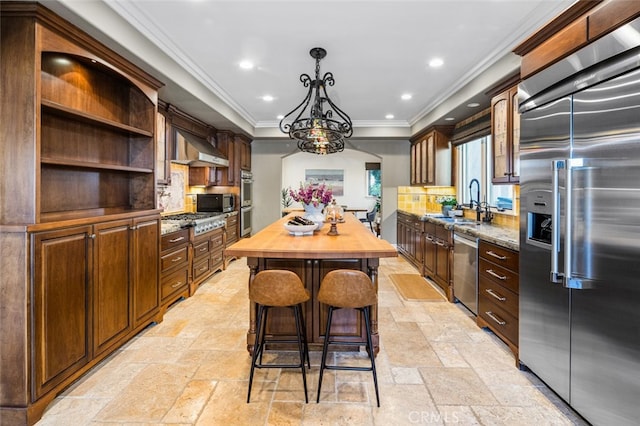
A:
278	288
346	288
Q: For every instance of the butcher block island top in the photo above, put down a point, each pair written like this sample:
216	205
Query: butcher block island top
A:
354	241
311	257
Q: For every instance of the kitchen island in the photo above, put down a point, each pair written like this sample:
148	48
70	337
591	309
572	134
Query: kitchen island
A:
311	257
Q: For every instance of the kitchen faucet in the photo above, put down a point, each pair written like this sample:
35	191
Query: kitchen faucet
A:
478	208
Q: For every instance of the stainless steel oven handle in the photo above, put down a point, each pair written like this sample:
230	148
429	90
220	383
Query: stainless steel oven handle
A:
555	274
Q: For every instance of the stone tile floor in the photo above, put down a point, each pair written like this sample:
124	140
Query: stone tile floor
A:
435	367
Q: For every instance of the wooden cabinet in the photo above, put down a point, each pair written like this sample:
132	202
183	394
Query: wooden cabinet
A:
505	132
431	157
92	290
244	146
579	25
231	235
409	233
81	221
175	265
228	176
207	257
438	247
111	290
204	176
498	288
145	254
61	307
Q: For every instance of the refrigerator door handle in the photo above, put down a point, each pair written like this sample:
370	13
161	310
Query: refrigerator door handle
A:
569	280
555	276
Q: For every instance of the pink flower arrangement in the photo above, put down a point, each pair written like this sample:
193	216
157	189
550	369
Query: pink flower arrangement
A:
315	194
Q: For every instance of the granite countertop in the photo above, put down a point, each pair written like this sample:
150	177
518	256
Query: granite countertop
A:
167	228
496	234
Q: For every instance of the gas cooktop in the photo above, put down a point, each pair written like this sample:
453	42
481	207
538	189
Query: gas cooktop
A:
201	222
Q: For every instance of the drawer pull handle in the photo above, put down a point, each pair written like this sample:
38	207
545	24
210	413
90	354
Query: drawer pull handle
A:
175	240
177	259
496	295
203	249
495	318
497	256
177	284
493	274
430	238
440	243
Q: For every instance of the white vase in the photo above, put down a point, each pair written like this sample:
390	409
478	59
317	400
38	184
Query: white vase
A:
314	213
446	210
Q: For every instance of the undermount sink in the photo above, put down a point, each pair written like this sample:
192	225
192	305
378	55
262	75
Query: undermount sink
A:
456	220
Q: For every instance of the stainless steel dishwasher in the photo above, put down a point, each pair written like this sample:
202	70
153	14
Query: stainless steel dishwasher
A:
465	270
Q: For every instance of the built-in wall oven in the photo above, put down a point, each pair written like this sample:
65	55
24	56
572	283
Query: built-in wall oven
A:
246	189
245	221
246	203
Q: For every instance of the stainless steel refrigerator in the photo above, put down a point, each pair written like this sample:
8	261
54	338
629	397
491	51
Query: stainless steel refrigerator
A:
580	228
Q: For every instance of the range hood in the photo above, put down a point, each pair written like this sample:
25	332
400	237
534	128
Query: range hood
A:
195	151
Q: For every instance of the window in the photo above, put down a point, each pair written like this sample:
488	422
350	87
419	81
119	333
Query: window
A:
374	182
474	158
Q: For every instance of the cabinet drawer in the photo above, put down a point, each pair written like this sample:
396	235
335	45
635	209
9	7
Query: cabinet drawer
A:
174	239
494	273
232	221
201	249
499	255
174	282
499	295
216	242
498	319
201	268
174	258
216	258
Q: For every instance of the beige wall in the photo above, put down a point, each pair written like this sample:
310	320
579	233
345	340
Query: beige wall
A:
266	164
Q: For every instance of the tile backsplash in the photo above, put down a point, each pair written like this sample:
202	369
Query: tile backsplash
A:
420	200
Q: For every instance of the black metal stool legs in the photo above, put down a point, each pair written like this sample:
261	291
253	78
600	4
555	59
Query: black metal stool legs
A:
258	347
328	341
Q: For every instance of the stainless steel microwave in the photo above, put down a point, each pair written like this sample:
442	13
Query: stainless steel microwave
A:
220	203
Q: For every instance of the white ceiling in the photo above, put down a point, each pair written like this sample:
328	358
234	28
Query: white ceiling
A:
377	50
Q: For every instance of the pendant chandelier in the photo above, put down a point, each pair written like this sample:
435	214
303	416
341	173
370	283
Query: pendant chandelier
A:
318	132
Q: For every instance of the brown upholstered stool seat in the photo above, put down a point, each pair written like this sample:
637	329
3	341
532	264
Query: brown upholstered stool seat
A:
278	288
346	288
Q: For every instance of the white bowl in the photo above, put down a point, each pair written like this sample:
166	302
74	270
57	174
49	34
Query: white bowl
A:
300	229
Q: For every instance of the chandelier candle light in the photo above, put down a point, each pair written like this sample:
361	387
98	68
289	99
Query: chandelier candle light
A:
320	132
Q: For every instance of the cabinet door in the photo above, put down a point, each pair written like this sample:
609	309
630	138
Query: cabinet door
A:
514	176
202	176
429	261
429	159
413	179
60	303
245	157
145	255
111	294
500	110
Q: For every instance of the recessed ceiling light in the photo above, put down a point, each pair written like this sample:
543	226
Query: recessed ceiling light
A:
246	65
473	104
280	117
267	98
406	96
449	118
436	62
389	116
